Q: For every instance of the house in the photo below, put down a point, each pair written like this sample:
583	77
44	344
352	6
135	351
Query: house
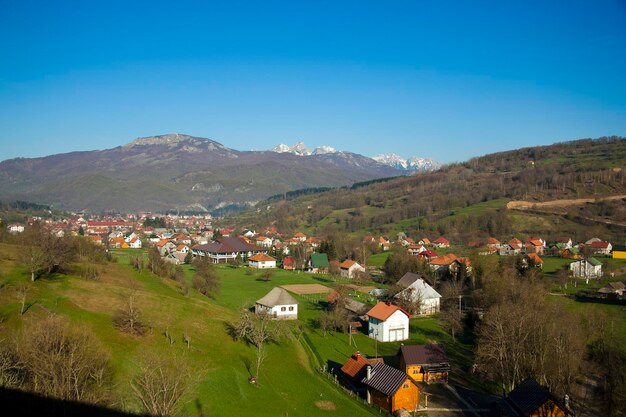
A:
492	242
535	245
264	241
318	263
97	239
388	323
586	268
428	255
261	261
441	242
300	237
134	243
15	228
166	247
592	240
619	252
566	242
355	368
289	264
613	288
424	241
442	263
350	268
415	249
279	304
532	259
118	243
227	249
420	292
571	253
390	388
428	363
601	248
408	279
529	399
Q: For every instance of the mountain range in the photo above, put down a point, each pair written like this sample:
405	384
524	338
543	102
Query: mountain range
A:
179	172
411	165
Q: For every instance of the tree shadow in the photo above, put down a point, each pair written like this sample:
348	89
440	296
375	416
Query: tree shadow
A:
27	404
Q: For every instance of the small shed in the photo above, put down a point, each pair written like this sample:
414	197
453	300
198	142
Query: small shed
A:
279	304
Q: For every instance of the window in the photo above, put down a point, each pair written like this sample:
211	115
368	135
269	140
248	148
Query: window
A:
283	309
290	308
405	386
415	371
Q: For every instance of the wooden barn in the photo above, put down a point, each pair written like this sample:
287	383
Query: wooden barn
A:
427	363
390	388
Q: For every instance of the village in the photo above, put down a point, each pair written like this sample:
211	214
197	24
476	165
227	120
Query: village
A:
408	380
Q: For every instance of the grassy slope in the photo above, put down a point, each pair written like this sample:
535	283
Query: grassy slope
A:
288	384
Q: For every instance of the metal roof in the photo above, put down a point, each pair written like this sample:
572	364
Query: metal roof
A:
386	379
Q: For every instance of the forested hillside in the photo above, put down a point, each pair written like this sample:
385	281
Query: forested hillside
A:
463	199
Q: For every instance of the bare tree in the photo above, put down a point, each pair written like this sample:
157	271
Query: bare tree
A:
161	383
11	368
64	362
257	330
128	318
34	259
22	293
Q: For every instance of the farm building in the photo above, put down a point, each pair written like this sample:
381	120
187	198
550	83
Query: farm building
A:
619	252
354	369
529	399
390	388
388	323
318	263
279	304
428	363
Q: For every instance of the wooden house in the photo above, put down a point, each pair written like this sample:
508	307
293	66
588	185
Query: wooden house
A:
529	399
428	363
355	368
390	388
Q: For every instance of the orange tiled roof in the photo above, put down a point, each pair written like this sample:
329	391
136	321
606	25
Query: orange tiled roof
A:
347	264
535	258
261	257
382	311
444	259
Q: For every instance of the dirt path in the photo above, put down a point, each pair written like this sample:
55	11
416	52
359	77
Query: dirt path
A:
523	205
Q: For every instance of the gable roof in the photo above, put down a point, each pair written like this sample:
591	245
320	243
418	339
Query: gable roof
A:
535	258
277	297
408	279
444	259
442	240
594	262
382	311
355	366
528	397
423	354
288	261
347	264
600	245
261	257
619	248
421	287
386	379
319	260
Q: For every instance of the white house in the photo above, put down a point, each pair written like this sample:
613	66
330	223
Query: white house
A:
134	243
16	228
279	304
420	291
586	268
264	241
349	268
261	261
388	323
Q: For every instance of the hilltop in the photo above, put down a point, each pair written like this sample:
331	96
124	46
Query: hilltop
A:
468	199
176	172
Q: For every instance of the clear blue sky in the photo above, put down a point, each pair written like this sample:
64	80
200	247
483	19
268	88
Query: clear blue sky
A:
447	80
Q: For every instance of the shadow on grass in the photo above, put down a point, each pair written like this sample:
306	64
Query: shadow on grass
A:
27	404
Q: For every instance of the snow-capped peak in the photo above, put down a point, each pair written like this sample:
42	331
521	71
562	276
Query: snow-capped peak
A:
322	150
413	163
302	150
